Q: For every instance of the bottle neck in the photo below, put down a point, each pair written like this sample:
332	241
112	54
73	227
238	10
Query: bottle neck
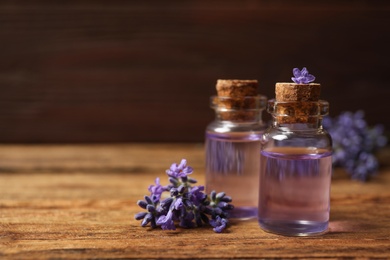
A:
239	116
312	124
242	110
298	115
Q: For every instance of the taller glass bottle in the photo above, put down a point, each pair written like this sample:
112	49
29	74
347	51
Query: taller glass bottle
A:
233	146
296	163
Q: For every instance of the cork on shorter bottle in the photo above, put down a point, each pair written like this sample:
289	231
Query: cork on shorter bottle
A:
236	88
297	103
236	99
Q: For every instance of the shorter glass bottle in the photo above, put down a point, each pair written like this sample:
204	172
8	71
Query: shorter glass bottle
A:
296	169
233	151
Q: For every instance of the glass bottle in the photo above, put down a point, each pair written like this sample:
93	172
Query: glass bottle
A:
233	151
296	169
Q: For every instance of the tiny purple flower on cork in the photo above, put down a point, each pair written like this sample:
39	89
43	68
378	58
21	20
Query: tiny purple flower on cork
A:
302	76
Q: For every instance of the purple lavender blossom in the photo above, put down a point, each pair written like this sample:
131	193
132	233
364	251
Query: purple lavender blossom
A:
151	215
355	143
181	170
156	190
166	222
178	203
302	76
219	224
196	194
187	205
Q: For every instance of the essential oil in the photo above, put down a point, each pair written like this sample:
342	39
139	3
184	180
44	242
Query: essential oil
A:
233	165
294	190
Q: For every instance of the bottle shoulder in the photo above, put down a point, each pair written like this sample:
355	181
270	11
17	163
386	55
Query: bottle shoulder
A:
283	137
298	129
228	126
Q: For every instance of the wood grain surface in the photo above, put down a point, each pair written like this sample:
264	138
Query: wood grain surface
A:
68	202
130	71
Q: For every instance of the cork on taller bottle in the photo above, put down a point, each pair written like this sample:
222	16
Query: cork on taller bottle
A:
297	92
237	100
297	103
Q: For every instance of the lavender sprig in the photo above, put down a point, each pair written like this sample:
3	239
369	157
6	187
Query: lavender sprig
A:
187	204
355	144
302	76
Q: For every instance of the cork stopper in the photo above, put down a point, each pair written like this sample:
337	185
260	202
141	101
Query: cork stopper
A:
237	99
236	88
297	92
297	103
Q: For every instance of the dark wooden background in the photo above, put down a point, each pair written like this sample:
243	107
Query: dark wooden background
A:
121	71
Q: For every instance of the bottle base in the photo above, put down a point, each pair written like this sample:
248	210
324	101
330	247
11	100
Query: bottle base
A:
294	228
243	213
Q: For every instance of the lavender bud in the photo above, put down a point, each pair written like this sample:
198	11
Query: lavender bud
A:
168	187
188	204
174	181
155	198
213	195
174	192
140	215
220	195
151	208
142	204
218	211
148	200
223	205
191	180
166	202
144	222
181	188
147	219
226	199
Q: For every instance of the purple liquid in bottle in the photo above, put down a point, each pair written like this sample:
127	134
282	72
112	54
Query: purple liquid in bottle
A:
294	190
233	166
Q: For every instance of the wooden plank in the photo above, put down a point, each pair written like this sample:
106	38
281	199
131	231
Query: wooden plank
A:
79	202
92	71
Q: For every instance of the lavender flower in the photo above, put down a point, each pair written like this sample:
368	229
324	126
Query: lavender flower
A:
156	190
302	76
166	222
151	215
187	204
181	170
355	143
196	195
218	223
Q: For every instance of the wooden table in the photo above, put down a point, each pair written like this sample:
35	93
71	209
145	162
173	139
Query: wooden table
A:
79	201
